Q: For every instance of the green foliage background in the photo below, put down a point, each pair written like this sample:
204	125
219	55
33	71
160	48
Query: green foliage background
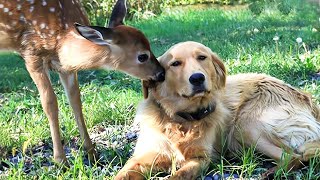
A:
100	10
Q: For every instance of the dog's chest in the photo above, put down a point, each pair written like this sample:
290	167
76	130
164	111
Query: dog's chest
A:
183	135
180	131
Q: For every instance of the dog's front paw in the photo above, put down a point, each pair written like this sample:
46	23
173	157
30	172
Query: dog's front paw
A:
183	175
122	175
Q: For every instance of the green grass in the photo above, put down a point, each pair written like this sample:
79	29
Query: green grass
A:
245	43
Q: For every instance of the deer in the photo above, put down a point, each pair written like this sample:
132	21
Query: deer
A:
55	35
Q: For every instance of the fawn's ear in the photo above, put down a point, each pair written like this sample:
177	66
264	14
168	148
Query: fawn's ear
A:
98	35
147	85
93	33
118	14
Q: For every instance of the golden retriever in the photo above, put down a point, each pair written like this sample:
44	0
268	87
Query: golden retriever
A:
186	119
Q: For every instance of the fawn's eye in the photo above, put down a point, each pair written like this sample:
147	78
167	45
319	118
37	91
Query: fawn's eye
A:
201	58
143	57
176	63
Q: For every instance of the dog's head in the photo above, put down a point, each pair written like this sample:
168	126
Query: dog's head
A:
194	74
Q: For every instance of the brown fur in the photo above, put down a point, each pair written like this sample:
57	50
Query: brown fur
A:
43	33
254	109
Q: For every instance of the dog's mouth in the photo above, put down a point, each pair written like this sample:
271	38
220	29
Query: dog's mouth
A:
198	91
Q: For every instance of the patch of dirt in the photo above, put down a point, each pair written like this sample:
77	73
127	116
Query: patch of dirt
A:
109	140
316	76
2	99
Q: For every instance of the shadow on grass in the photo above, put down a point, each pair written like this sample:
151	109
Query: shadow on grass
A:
13	74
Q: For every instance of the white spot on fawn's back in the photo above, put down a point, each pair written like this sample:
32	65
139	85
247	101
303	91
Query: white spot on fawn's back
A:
60	5
31	8
22	18
52	9
42	25
14	23
31	1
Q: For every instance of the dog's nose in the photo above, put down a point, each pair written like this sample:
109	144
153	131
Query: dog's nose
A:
160	76
197	79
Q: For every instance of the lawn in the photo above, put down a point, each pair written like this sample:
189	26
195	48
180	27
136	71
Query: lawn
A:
247	43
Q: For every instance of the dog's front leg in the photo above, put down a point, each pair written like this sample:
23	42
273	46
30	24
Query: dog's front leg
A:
133	170
137	167
71	87
191	169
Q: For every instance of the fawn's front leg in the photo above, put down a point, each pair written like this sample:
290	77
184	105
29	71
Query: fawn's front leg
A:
71	87
49	103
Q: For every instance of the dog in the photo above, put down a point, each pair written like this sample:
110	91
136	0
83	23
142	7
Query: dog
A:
198	112
183	119
44	34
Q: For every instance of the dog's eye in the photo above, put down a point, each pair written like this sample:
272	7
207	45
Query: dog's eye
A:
176	63
201	58
143	57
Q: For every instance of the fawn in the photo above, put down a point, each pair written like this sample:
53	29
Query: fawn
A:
47	35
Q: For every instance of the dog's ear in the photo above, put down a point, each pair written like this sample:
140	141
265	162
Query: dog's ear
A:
220	70
145	88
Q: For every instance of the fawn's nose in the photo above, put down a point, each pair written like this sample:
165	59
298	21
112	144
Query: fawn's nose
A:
160	77
197	79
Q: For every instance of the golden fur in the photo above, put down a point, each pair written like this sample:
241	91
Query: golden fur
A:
272	115
256	108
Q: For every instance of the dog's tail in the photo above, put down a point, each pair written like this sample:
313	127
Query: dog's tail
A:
309	150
